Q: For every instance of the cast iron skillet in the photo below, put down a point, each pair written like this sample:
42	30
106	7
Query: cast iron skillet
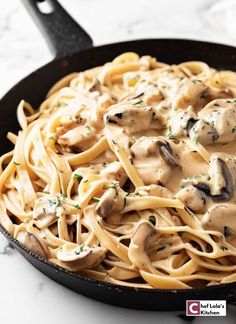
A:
74	51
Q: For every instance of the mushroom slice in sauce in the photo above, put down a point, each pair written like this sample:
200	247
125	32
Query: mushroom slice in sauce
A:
166	152
31	242
217	123
223	185
222	218
219	183
44	212
196	94
137	251
154	159
203	132
193	198
135	117
80	258
113	200
181	123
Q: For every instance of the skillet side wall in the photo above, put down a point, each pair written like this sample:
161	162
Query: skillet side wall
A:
34	88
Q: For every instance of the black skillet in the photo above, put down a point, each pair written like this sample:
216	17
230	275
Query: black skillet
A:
74	51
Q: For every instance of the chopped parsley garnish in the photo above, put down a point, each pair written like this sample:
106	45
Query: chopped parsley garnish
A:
55	201
152	220
137	102
53	138
46	192
89	130
81	248
95	199
77	176
113	185
61	104
169	135
196	139
196	81
16	163
114	142
77	206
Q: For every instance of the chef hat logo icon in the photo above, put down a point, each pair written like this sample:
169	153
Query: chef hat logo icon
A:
192	307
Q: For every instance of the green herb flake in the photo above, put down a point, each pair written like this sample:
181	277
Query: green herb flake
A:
53	138
55	201
169	135
137	102
61	104
95	199
77	176
196	139
16	163
81	249
196	81
77	206
182	183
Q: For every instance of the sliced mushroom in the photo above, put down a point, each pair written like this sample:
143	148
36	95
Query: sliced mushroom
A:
45	213
111	201
221	218
137	251
31	242
203	132
190	93
166	152
181	123
135	117
223	181
154	159
216	123
196	94
219	183
193	198
80	258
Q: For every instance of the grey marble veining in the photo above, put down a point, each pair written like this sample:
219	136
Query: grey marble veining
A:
25	293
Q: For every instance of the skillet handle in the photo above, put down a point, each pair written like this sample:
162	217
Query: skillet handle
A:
63	35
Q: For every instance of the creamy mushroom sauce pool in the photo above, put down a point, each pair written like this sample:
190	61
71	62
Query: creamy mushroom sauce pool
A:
126	174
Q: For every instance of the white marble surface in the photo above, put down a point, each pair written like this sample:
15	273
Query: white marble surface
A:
26	295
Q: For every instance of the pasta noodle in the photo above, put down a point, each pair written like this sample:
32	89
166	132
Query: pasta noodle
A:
126	173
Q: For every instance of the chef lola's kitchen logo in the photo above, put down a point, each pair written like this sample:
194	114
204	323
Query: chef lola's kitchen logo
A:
205	307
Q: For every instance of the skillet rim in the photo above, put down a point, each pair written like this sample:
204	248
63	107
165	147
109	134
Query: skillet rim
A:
49	264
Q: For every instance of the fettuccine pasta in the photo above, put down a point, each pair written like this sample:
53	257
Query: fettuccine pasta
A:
126	173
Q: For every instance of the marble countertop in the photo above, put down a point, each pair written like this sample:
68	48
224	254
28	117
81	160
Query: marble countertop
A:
26	295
